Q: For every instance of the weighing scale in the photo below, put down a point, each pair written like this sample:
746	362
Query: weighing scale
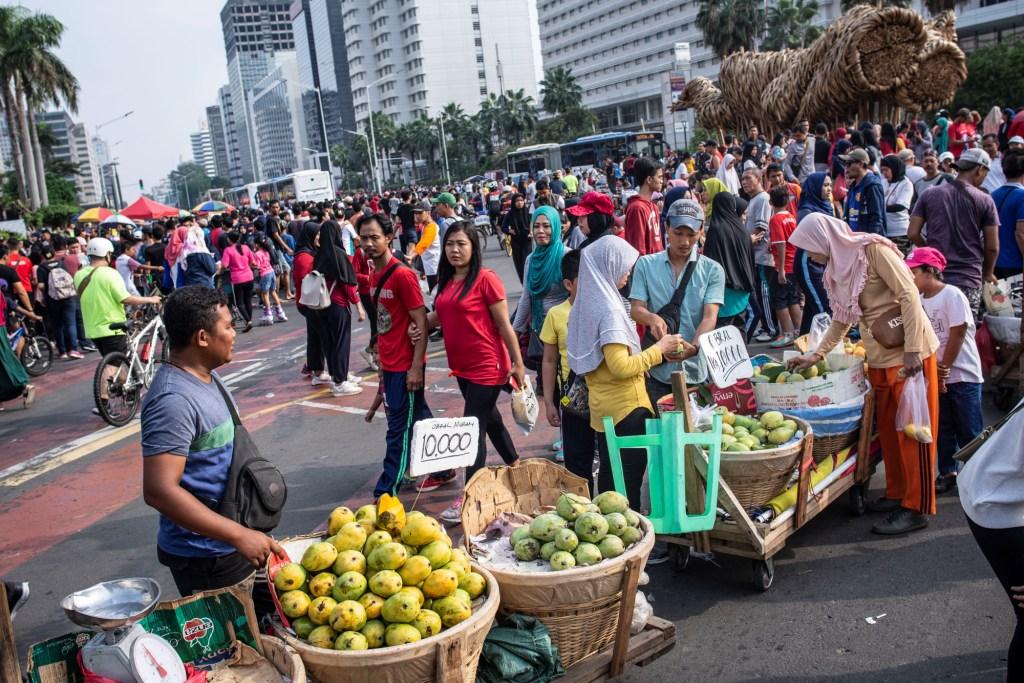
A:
122	650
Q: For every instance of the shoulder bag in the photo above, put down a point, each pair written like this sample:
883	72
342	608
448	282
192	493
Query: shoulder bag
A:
575	395
888	330
670	312
965	453
256	490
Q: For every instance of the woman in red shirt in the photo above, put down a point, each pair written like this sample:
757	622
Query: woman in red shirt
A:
483	352
333	262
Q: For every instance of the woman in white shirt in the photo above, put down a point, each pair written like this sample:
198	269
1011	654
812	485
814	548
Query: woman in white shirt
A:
899	194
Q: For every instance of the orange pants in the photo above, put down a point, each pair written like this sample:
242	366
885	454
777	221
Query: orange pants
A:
909	464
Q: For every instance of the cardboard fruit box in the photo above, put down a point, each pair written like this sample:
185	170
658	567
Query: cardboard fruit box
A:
846	381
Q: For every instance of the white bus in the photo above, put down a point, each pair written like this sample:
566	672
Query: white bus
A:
244	195
535	160
301	186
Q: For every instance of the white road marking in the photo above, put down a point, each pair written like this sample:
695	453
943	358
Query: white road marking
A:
66	453
339	409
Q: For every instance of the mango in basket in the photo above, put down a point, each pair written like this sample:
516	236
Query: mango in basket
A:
528	549
611	501
295	604
401	634
323	636
562	560
570	506
390	514
349	561
367	517
631	536
421	530
348	616
587	554
339	517
545	526
387	556
442	582
611	546
303	627
452	610
351	640
351	536
474	584
566	539
386	583
374	541
459	563
780	435
374	633
320	610
547	550
349	586
290	577
321	584
632	519
438	553
373	604
591	527
519	534
415	569
400	608
428	623
414	592
772	419
319	556
616	523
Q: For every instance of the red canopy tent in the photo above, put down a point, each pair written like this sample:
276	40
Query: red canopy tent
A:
145	209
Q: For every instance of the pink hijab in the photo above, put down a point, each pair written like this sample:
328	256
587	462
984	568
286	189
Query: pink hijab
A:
175	245
847	269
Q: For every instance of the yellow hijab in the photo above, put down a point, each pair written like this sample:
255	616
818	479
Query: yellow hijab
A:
712	187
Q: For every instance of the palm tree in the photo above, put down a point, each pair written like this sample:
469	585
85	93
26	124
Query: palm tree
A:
559	91
384	135
490	117
730	25
518	114
789	25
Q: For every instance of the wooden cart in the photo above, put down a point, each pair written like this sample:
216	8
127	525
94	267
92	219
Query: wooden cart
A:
743	537
657	638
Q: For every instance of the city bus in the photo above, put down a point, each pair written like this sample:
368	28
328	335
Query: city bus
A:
534	160
301	186
591	150
243	195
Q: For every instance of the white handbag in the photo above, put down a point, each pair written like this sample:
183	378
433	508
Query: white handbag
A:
315	293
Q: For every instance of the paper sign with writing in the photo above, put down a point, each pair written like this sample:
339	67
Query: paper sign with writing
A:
442	444
726	355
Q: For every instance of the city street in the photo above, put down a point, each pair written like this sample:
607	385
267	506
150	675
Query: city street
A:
71	515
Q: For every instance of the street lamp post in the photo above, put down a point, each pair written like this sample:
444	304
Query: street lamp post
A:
96	134
373	139
369	151
323	127
444	147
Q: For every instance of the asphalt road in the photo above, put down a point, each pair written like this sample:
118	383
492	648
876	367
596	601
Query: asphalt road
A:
71	515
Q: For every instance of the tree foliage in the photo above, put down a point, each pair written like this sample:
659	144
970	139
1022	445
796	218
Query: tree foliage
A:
730	25
190	181
995	77
789	24
559	91
847	5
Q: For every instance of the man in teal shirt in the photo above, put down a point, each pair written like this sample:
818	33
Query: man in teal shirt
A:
656	278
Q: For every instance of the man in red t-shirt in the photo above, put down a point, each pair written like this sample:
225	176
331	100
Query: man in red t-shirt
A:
21	264
643	224
395	291
785	292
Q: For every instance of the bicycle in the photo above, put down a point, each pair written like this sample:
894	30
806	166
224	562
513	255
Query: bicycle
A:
482	223
36	353
121	378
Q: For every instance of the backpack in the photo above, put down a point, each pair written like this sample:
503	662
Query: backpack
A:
315	294
59	283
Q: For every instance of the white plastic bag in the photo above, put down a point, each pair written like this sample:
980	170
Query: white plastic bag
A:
524	406
997	298
642	612
819	327
912	416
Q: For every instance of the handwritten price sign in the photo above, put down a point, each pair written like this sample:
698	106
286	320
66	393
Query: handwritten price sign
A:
442	444
726	355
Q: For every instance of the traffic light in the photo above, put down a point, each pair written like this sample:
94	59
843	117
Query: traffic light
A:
140	184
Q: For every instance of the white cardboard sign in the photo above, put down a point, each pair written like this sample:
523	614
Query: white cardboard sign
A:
726	355
442	444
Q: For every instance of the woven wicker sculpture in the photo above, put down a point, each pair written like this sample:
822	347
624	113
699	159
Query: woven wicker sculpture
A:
889	56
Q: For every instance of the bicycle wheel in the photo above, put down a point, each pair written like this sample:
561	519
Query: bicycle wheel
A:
36	356
115	391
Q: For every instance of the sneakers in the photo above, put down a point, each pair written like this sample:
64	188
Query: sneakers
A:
247	328
763	338
782	342
434	482
884	504
306	372
560	456
945	482
279	316
28	396
345	389
354	379
901	521
556	446
75	355
453	515
322	378
267	318
89	347
62	356
368	358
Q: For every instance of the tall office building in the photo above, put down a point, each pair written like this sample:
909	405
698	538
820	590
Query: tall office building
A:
278	121
202	149
88	180
410	57
215	124
253	31
6	153
108	181
323	74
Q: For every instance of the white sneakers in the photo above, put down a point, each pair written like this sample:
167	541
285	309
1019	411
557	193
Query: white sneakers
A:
322	378
368	357
345	389
355	379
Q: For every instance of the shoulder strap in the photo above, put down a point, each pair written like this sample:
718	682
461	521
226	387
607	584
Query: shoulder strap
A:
383	278
85	282
227	399
677	296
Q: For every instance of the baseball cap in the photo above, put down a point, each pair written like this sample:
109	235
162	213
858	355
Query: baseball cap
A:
946	156
1016	140
973	157
927	256
856	154
685	213
906	154
444	198
423	206
593	202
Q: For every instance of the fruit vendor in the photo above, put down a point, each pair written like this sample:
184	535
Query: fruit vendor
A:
865	277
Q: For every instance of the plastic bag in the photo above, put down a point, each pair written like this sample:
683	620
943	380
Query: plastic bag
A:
912	416
642	612
819	327
997	298
524	406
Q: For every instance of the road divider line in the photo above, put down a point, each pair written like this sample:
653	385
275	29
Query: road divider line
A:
339	409
66	453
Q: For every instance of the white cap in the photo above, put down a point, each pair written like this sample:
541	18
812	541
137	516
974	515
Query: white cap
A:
946	156
99	247
1016	140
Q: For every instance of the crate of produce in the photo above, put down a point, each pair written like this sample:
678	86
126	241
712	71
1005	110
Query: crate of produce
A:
584	605
837	379
835	427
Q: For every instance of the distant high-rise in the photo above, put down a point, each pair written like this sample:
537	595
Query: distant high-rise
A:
202	149
71	143
215	124
278	122
254	30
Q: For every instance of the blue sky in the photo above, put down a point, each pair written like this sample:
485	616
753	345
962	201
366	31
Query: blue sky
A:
163	59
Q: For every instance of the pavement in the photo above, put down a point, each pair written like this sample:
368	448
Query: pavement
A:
71	515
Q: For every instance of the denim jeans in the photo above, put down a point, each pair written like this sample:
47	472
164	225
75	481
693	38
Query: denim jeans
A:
959	421
396	398
63	324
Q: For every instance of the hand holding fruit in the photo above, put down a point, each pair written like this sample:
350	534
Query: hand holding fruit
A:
683	351
801	363
669	344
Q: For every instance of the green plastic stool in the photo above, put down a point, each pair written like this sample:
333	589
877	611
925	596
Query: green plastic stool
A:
665	442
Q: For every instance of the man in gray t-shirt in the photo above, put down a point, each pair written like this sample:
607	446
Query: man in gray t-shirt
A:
759	213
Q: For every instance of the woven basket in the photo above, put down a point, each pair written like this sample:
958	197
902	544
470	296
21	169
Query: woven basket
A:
756	477
579	606
451	655
284	658
824	446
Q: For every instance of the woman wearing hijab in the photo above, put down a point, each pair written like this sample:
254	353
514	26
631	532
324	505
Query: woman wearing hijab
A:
728	243
516	224
603	347
172	254
899	195
707	189
866	277
333	263
196	261
727	172
940	135
815	197
596	216
542	283
305	253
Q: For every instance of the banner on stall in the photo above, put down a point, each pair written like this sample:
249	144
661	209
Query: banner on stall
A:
442	444
725	353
